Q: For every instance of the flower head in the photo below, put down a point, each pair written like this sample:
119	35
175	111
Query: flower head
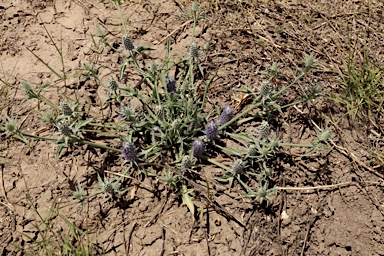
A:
27	88
264	130
226	115
194	52
47	117
127	113
253	150
66	109
129	151
127	43
64	129
171	85
198	148
324	136
187	162
10	126
212	130
113	84
265	89
238	166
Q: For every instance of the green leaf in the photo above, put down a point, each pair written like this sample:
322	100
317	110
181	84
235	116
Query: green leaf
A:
144	48
249	195
122	69
22	138
223	179
187	200
59	148
46	64
201	70
241	137
228	179
245	90
275	106
231	151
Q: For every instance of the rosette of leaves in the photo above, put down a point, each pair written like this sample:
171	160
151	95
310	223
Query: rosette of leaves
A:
109	188
263	192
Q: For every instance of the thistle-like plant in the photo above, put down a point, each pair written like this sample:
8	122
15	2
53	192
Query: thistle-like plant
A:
47	117
11	129
194	54
239	166
265	91
262	193
112	84
187	162
169	125
263	130
68	111
128	113
109	188
171	85
79	194
169	178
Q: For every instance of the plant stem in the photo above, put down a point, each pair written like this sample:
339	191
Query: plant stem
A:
295	145
288	86
37	137
121	17
293	103
48	102
96	145
102	125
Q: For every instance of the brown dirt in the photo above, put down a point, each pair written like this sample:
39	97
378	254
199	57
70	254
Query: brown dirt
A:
245	39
